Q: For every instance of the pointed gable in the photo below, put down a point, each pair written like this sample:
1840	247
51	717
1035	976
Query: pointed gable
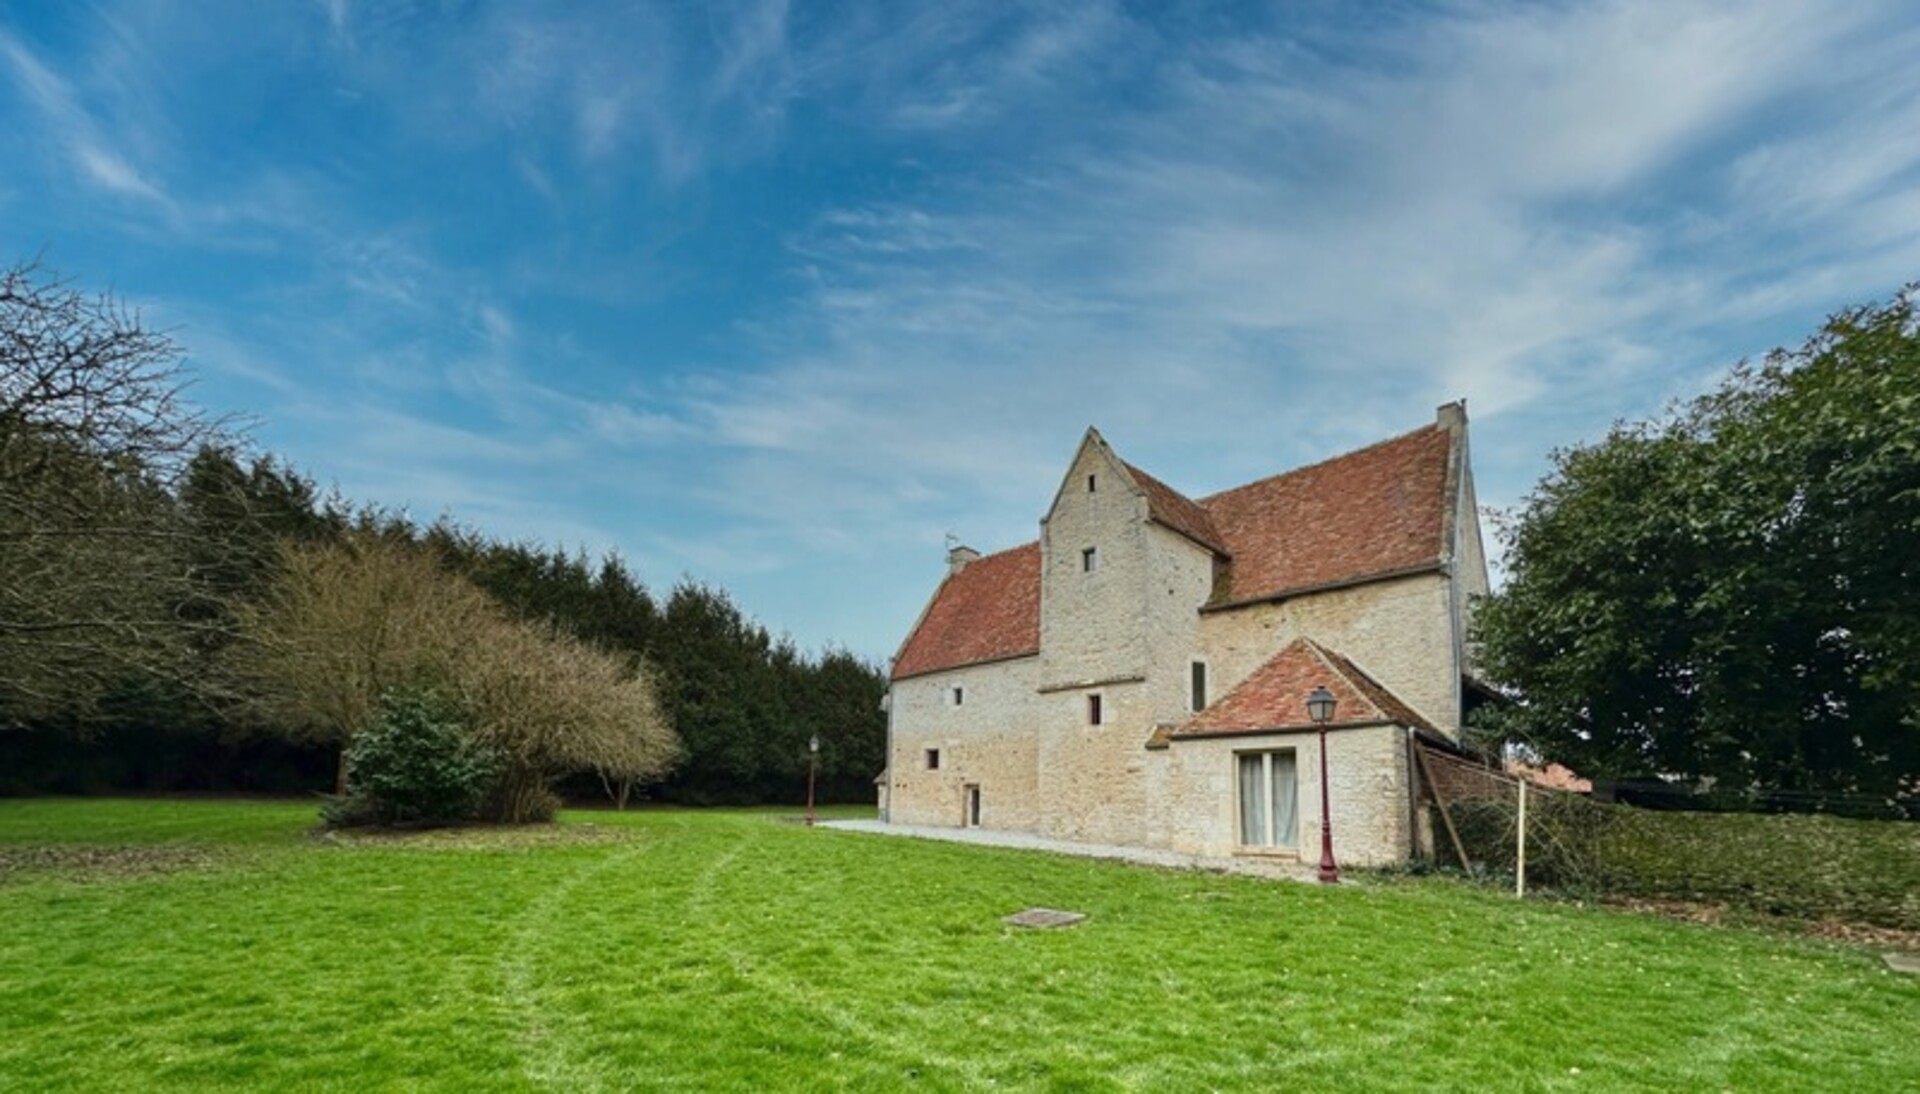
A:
1370	513
989	611
1275	696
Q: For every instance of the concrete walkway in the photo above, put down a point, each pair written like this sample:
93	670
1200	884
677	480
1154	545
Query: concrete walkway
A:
986	837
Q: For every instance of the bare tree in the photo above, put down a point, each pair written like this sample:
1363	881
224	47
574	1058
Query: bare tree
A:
346	622
554	706
94	433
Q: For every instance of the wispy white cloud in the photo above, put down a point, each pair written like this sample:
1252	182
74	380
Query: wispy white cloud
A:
1236	242
93	153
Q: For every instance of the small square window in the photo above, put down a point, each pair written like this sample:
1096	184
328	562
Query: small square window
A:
959	696
1089	560
933	759
1093	710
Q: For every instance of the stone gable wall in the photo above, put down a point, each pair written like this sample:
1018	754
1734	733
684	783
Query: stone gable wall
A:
990	739
1093	625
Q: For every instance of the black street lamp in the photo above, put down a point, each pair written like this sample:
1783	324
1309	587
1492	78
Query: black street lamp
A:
813	763
1320	704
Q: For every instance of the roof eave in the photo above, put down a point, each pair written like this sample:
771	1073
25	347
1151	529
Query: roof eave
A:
1211	734
995	660
1217	549
1434	567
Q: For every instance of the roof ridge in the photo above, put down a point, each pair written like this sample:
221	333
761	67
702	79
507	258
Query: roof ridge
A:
1395	439
1005	551
1338	664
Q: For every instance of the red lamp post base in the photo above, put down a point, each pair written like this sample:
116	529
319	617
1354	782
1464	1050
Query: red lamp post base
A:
1329	870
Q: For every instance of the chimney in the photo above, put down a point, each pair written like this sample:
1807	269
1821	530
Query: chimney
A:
958	556
1452	416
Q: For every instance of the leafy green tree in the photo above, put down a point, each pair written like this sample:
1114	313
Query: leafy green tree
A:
1731	593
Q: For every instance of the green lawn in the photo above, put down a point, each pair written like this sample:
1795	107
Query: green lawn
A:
188	945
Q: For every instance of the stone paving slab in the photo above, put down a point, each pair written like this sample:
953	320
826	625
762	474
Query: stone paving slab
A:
1043	918
1027	841
1903	962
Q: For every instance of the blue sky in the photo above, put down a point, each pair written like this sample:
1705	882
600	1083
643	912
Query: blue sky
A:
777	295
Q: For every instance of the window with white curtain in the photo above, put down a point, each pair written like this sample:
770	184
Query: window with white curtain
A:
1269	799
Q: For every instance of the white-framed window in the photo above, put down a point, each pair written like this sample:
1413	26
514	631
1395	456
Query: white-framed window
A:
1089	559
1198	691
1268	788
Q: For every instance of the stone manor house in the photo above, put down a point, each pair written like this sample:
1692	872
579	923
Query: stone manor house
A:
1139	675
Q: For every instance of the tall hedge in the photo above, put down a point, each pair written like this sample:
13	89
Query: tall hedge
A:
1796	865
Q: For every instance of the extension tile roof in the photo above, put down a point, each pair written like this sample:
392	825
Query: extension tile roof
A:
1275	696
989	611
1372	513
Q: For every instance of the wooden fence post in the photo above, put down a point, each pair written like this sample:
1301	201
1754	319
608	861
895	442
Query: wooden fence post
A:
1520	850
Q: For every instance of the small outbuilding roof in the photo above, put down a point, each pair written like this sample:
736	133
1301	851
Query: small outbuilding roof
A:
1275	697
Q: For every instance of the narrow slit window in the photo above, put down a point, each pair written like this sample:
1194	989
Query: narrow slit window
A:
1089	560
1093	710
959	696
1199	686
1090	484
933	759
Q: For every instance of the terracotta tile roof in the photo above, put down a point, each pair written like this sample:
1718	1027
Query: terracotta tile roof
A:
1178	511
1552	776
988	611
1275	696
1375	511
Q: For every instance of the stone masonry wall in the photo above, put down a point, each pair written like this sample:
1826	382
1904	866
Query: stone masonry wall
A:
1198	799
1400	632
1092	625
1179	581
989	739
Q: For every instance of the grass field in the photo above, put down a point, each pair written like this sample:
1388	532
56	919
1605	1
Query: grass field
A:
194	945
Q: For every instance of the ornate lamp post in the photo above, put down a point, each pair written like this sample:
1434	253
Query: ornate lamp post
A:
1320	703
813	764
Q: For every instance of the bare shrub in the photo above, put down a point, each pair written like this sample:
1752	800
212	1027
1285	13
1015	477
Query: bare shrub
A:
345	623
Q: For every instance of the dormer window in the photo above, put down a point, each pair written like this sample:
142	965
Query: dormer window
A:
1089	560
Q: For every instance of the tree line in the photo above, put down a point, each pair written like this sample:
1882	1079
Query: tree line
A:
179	612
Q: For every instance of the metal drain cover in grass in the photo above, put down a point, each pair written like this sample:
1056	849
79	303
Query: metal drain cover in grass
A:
1042	917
